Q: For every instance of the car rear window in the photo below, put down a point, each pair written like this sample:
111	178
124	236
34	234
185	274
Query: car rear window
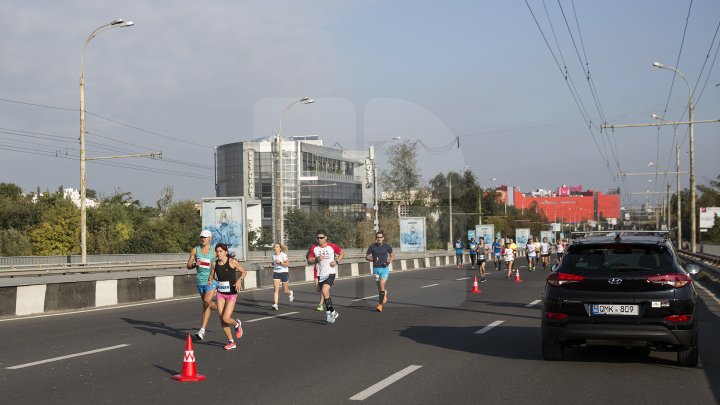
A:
618	256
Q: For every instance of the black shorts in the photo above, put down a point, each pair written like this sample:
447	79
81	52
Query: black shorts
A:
545	255
480	261
329	281
282	276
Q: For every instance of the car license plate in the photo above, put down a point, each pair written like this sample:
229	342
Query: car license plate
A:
607	309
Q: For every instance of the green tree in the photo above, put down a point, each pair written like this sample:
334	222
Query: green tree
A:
403	177
301	226
58	231
184	220
14	243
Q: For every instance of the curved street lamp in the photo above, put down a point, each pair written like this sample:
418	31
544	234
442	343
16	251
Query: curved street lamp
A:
281	184
693	224
119	23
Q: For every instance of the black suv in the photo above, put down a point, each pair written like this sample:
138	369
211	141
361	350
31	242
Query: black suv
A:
622	288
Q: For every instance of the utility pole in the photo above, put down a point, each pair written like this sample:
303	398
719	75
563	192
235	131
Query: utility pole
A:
679	218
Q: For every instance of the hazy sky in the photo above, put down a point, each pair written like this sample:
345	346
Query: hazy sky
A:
192	75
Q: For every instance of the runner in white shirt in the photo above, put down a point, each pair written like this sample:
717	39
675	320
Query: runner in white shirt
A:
530	249
327	257
281	274
545	253
560	249
508	256
482	251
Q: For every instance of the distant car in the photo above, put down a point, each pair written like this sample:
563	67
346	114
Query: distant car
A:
621	289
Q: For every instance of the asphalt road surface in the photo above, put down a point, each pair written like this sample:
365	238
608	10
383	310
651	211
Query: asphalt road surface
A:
435	343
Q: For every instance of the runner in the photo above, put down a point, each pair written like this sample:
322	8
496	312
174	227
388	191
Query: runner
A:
481	251
281	274
201	258
381	254
473	253
327	256
545	248
497	249
459	253
531	252
560	249
225	269
508	256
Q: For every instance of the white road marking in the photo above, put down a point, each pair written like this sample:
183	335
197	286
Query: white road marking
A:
35	363
489	327
461	279
366	393
270	317
708	292
431	285
365	298
532	304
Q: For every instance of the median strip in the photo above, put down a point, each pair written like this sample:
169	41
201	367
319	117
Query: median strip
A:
69	356
366	393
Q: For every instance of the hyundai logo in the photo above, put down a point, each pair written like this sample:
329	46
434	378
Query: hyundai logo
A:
615	281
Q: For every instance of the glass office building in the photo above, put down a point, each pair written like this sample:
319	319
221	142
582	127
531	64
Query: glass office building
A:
314	177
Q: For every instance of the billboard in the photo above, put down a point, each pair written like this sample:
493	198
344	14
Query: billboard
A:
485	231
521	236
224	217
412	234
707	216
550	235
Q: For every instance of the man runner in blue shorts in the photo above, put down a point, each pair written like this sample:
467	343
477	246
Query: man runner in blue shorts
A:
201	258
381	255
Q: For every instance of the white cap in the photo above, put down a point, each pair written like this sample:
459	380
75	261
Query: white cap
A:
205	233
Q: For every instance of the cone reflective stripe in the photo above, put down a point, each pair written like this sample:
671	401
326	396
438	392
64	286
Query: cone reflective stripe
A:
475	289
189	373
517	276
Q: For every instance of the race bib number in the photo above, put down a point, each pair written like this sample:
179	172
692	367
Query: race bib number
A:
223	286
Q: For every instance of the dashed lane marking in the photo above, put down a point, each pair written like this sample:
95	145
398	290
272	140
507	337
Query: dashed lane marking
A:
532	304
431	285
461	279
488	328
270	317
365	298
69	356
366	393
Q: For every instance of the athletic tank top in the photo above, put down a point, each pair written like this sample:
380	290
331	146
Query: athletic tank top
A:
203	261
226	277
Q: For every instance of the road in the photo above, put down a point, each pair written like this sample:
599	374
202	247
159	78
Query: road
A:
435	343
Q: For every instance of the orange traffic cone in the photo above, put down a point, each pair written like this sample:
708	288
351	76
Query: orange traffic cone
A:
517	276
188	370
475	289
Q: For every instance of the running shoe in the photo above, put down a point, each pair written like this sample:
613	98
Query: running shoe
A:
335	315
482	280
200	335
329	317
320	307
230	346
274	307
291	297
238	329
379	308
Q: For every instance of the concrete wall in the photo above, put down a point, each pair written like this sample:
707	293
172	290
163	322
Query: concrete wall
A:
54	297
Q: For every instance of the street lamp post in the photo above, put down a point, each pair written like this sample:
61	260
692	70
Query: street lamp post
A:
376	208
693	223
280	176
119	23
677	185
480	199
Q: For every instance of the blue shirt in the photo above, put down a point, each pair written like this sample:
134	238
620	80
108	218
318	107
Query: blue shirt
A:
458	248
497	247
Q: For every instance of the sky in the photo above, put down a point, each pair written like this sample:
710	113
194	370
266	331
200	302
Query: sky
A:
487	75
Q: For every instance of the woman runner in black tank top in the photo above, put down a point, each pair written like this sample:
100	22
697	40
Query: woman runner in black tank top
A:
225	270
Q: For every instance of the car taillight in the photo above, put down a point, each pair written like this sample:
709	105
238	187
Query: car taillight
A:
557	279
679	318
556	316
676	280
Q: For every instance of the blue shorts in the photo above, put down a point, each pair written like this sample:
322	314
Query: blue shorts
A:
381	272
202	289
282	276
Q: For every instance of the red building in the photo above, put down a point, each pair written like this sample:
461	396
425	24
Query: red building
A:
570	204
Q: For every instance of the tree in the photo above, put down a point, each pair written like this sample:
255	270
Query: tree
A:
165	198
301	227
403	176
14	243
58	229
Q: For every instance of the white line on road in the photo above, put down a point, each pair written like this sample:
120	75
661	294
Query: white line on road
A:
365	298
708	292
366	393
35	363
431	285
461	279
270	317
532	304
489	327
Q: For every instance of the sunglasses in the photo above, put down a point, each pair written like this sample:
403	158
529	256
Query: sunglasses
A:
321	237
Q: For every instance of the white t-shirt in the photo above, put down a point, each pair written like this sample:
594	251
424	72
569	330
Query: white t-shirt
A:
279	268
560	248
509	256
544	248
326	255
530	248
